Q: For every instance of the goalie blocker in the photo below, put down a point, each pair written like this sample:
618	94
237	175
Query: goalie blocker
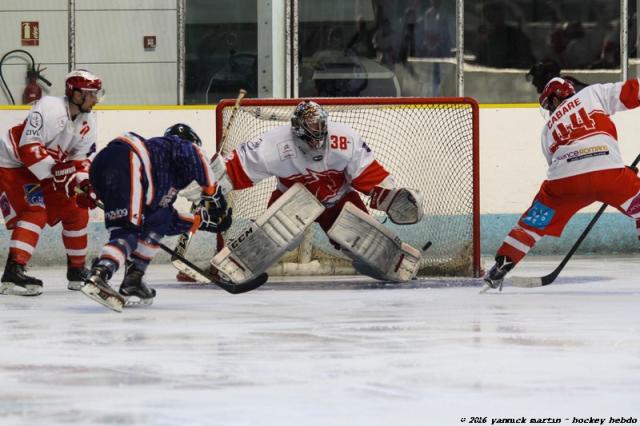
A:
277	230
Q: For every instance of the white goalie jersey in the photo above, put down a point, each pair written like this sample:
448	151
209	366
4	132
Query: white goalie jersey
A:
345	162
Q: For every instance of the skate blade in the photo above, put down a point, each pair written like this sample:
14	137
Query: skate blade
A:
75	285
11	289
487	287
132	301
106	299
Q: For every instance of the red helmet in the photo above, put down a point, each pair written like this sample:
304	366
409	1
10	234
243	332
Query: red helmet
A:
81	80
556	88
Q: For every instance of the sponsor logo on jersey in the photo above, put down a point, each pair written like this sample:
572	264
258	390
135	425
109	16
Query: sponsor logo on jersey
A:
251	145
580	154
5	207
117	214
539	215
324	185
33	195
168	198
35	122
85	129
286	150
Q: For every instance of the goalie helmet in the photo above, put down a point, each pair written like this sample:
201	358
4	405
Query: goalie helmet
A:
309	123
556	88
82	80
183	132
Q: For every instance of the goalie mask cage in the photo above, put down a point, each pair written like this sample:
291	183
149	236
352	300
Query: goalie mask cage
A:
427	144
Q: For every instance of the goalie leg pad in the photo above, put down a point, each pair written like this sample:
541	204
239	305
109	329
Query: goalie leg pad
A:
263	242
376	250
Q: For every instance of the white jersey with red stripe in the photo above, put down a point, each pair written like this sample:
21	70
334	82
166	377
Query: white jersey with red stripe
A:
345	162
48	135
579	136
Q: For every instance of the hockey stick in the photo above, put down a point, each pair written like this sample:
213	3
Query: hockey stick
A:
227	286
531	282
182	245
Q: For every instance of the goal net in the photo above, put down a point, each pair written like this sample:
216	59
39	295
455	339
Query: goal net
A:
427	144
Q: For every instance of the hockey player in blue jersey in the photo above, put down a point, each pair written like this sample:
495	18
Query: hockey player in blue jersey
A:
138	180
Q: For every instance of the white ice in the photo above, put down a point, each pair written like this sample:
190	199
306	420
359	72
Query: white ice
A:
312	355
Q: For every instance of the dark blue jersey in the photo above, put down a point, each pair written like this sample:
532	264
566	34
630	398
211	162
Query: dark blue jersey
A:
138	181
170	164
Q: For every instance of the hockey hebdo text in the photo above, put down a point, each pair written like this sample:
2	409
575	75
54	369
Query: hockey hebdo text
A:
550	420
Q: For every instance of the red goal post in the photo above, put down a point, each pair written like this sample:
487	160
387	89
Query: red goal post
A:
431	144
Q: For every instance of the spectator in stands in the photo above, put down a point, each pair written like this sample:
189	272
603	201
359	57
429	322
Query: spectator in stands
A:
334	47
609	57
384	43
361	43
407	42
502	45
575	51
436	35
338	60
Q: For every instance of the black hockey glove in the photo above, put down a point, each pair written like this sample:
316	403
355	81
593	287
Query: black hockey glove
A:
214	212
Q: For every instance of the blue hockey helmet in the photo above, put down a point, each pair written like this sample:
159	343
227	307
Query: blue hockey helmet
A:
183	132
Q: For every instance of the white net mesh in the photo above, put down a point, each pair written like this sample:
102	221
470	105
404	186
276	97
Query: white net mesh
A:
426	144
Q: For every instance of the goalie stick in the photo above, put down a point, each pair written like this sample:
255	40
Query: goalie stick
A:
182	245
193	269
532	282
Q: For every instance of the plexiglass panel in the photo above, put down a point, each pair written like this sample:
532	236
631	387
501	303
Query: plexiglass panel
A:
503	39
377	48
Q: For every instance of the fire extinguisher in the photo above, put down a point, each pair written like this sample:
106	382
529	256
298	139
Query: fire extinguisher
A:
33	91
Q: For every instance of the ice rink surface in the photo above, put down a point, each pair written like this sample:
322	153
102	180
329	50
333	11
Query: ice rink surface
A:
346	352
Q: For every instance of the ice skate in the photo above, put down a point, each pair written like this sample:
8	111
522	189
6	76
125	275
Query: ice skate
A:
16	282
97	288
76	277
495	277
133	288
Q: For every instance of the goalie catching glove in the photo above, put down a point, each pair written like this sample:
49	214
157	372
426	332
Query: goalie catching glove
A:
214	212
404	206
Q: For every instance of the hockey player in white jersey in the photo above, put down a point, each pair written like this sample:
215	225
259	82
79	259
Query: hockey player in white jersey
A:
41	162
320	166
580	144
